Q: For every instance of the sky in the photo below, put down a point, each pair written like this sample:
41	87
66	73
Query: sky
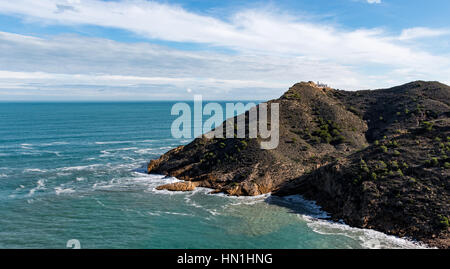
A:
123	50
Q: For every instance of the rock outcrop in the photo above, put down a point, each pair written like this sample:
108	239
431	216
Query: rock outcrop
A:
376	159
178	186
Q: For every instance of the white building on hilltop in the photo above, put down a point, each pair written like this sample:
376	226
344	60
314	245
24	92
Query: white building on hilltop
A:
319	84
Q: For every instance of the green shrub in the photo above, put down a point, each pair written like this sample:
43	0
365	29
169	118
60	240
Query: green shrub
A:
447	165
428	126
353	110
327	138
339	139
382	165
357	180
443	220
296	95
244	143
328	132
418	108
335	132
434	161
315	139
384	148
222	145
405	165
363	166
394	164
393	144
396	153
373	176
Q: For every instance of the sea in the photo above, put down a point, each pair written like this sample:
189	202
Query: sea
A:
77	171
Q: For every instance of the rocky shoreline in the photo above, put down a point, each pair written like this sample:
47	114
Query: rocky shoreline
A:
376	159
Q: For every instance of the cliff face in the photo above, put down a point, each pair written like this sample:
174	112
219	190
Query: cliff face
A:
376	159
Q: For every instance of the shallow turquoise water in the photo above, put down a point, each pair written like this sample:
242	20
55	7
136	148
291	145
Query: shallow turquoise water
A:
76	171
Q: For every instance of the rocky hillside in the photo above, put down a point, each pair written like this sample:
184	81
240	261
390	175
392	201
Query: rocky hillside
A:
375	159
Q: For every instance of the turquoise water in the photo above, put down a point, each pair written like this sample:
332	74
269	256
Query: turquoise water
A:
77	171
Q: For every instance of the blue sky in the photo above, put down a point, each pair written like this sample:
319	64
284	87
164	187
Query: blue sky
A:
171	50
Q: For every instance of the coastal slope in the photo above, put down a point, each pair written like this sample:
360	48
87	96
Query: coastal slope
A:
375	159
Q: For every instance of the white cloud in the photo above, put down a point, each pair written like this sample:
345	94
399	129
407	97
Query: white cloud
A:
273	49
374	1
250	30
422	32
122	81
63	62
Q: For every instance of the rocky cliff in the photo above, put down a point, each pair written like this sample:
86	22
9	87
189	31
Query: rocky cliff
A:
376	159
